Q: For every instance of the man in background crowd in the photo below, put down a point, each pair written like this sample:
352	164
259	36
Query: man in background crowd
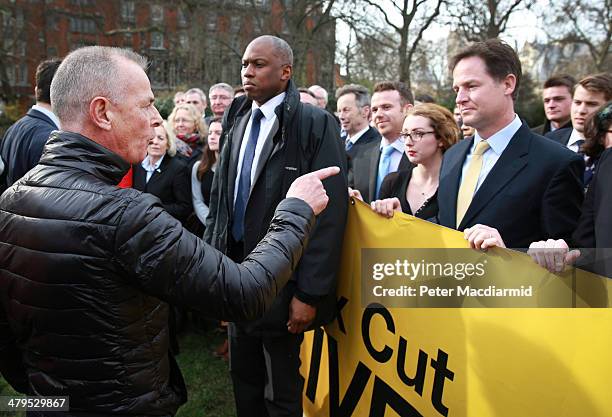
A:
369	167
24	141
220	96
590	94
557	97
320	94
353	110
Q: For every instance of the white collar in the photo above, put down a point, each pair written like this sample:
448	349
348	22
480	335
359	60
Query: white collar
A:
269	106
574	137
398	144
353	139
47	113
146	164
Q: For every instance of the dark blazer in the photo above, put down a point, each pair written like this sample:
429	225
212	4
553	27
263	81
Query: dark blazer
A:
544	128
396	184
370	135
363	170
533	192
23	144
595	225
560	135
170	183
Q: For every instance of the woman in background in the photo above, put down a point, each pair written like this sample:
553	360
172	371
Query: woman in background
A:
189	129
164	175
428	131
202	174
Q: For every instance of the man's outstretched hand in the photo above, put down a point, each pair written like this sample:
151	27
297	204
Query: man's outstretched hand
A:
309	188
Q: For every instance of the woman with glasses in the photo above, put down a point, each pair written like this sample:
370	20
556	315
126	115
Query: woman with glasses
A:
428	131
189	129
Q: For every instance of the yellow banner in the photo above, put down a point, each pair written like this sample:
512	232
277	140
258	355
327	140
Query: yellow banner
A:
514	362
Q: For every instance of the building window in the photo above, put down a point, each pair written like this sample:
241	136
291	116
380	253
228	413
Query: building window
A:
52	51
184	41
82	25
211	23
157	13
235	22
127	11
157	40
127	40
19	18
22	78
181	18
21	48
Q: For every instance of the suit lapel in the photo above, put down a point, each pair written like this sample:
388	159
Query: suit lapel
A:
157	174
268	147
507	167
450	180
236	142
374	157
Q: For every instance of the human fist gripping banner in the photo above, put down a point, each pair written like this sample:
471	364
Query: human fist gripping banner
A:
428	327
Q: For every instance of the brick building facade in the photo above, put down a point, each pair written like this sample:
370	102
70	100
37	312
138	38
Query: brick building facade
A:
188	42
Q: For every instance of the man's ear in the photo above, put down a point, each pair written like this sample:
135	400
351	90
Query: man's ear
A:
100	113
509	84
406	107
287	71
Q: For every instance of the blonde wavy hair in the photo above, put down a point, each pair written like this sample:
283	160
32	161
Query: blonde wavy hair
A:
200	126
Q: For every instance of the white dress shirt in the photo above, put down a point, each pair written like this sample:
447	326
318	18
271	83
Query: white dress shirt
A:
146	165
572	143
47	113
355	138
498	143
266	123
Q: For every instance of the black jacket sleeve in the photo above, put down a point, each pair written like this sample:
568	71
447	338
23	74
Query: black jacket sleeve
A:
317	272
11	362
168	262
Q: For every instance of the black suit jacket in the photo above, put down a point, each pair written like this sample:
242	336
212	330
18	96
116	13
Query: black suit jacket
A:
170	183
544	128
363	170
23	144
560	135
370	135
533	192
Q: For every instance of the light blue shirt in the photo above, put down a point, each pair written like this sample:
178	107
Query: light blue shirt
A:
396	156
146	165
498	143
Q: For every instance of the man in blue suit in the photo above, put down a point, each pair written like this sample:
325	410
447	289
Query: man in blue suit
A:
24	141
505	186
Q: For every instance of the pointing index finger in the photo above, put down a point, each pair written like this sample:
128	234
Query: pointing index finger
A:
326	172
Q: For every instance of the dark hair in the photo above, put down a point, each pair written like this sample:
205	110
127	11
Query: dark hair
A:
44	75
208	157
596	129
500	60
424	98
598	83
404	92
561	80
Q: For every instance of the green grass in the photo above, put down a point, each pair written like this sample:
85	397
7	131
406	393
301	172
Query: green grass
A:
207	378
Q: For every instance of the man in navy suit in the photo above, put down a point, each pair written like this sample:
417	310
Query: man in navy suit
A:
505	186
24	141
590	94
368	168
353	104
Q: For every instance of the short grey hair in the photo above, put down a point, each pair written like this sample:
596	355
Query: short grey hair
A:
198	92
317	88
86	73
223	86
362	95
280	48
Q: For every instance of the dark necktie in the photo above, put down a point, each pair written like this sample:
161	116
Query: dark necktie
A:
244	184
579	144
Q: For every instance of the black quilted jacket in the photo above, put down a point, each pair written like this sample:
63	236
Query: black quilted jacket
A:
87	271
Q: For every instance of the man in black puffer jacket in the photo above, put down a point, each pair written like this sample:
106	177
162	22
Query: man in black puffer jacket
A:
87	269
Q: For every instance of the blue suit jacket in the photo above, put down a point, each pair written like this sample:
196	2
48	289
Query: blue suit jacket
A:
534	191
23	144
